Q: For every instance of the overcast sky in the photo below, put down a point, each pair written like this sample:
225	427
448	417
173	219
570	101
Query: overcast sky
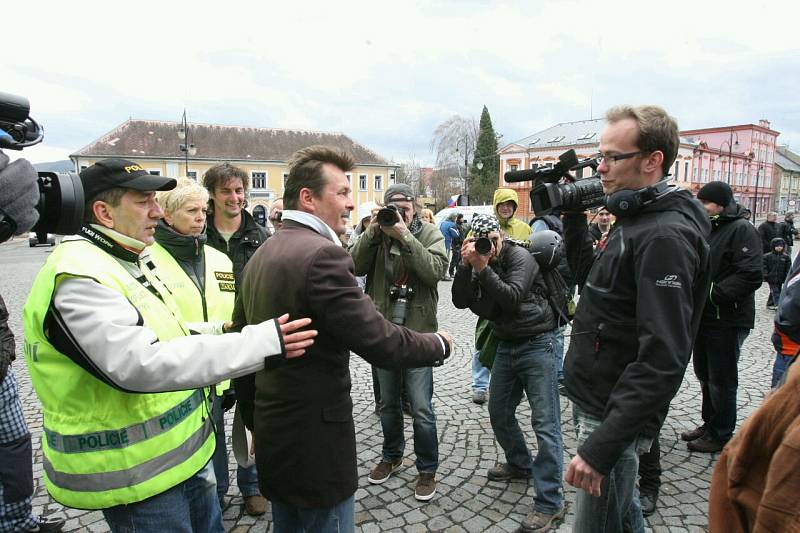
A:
387	73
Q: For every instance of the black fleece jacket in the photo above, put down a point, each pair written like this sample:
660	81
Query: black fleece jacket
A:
636	319
509	292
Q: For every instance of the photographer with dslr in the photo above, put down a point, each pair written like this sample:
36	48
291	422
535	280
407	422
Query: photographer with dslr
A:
639	311
404	259
19	194
501	282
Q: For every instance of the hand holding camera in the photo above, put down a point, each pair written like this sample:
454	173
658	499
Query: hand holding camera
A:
391	221
477	252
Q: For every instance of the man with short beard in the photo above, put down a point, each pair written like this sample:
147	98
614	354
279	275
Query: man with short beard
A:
234	232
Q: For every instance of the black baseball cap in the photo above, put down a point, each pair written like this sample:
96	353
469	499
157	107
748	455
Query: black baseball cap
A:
110	173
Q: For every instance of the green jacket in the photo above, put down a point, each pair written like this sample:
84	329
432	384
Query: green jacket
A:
422	258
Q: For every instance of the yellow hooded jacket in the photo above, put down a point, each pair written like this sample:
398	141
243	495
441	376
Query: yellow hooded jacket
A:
514	228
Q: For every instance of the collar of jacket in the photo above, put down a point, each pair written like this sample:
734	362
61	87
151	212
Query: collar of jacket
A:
248	228
113	242
180	246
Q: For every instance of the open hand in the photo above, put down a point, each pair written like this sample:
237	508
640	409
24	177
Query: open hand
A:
295	342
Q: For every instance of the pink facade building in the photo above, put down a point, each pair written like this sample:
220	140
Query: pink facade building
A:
742	156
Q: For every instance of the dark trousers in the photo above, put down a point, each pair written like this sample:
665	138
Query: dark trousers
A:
455	259
715	358
650	469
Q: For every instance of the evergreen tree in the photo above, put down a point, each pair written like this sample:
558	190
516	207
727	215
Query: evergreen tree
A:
484	181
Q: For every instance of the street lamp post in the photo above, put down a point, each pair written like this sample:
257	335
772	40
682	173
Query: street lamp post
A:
466	169
187	147
731	146
755	206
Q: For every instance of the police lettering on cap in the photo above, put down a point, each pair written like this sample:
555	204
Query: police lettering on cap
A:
111	173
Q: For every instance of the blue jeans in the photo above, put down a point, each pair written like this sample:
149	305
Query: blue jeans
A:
618	501
419	387
558	346
530	365
780	367
775	290
246	478
190	507
715	357
287	518
480	374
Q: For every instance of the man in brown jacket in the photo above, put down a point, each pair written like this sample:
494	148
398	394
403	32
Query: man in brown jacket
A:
756	480
301	410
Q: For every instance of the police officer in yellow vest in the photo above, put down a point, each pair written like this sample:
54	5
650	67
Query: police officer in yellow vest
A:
200	279
123	384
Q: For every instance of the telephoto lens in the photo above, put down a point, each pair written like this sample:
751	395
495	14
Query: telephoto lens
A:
387	216
483	245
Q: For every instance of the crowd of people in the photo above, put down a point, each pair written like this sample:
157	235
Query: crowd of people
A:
172	305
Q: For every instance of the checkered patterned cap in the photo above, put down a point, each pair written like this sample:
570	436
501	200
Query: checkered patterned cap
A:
482	225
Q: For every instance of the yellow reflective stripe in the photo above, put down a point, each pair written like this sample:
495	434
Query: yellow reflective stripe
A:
114	439
117	479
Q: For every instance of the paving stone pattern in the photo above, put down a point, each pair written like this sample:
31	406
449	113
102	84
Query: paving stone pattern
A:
466	500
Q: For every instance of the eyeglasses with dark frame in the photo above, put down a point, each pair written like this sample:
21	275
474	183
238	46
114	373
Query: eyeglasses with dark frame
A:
611	159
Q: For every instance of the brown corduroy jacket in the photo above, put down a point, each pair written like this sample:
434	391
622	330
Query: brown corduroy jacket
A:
756	481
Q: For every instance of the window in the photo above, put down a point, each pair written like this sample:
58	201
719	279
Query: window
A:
686	170
536	140
362	182
586	136
392	179
378	182
192	174
259	180
349	179
677	169
705	175
513	168
694	174
579	173
556	139
285	177
154	172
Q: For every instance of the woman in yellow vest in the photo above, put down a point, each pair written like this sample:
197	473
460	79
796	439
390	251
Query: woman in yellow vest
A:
200	279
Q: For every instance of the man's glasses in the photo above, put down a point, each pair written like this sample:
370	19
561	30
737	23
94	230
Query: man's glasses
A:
612	159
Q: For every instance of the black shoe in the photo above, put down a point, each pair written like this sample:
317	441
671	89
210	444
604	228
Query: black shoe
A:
694	434
705	444
648	502
504	472
49	523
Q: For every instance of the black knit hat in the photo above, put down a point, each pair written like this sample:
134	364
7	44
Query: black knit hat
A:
718	192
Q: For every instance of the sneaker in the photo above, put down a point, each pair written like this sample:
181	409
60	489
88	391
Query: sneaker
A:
537	521
694	434
255	505
383	471
479	397
49	523
705	444
648	502
426	486
503	472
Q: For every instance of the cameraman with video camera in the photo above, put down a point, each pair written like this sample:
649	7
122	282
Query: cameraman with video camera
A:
639	311
19	195
404	260
500	281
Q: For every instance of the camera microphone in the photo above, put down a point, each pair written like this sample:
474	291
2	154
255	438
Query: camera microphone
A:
566	162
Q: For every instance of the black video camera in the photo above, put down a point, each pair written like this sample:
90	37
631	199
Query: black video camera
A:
387	216
60	205
572	195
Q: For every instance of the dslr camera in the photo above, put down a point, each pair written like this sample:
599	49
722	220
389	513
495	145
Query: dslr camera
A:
60	205
387	216
551	193
400	297
483	245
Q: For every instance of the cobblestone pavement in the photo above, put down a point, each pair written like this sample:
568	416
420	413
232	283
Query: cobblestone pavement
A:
466	500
